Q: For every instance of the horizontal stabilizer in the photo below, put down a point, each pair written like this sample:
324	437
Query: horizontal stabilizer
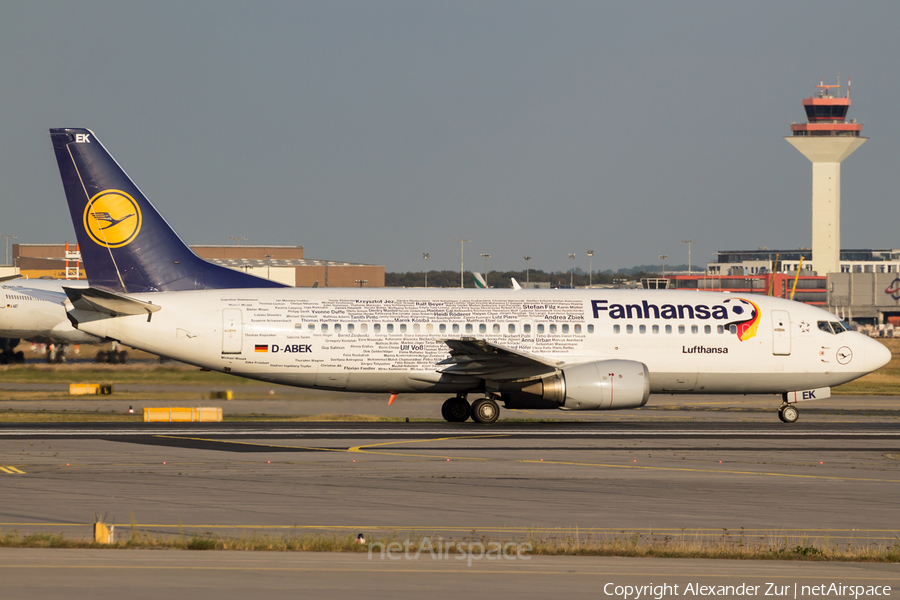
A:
9	278
55	296
108	303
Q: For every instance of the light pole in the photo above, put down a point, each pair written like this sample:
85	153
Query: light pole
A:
663	258
485	257
572	272
590	254
527	258
689	242
7	245
268	266
462	243
425	256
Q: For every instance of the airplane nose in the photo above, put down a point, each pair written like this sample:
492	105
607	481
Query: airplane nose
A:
877	355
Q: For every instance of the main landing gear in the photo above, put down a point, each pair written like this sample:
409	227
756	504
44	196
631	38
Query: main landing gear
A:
458	410
788	413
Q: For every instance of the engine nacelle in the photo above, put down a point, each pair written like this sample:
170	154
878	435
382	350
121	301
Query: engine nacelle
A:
601	385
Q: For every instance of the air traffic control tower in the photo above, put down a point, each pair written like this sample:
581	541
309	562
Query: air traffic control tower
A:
826	139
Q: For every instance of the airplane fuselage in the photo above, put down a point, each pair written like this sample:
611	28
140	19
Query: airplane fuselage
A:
391	340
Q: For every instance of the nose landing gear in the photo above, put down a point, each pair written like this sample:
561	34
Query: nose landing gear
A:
788	413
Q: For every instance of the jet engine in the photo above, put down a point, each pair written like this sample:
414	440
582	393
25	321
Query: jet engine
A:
600	385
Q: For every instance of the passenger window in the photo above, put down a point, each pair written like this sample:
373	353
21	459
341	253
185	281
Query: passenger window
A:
732	328
324	327
720	328
668	329
590	329
540	328
707	329
526	328
469	328
298	326
616	329
642	329
695	329
390	328
552	327
311	327
363	328
629	329
456	328
565	328
656	329
443	327
377	327
511	328
482	328
496	328
403	328
577	328
681	329
429	328
416	328
350	328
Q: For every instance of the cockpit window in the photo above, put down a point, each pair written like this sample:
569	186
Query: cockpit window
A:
833	327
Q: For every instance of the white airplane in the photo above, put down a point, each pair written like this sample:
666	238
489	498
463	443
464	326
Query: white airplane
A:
33	309
569	350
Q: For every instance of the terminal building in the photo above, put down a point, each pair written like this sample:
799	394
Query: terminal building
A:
285	264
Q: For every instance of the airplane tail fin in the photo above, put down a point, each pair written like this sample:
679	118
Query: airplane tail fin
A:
126	245
479	281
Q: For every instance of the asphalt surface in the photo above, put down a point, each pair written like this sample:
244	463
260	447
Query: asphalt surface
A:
833	477
139	574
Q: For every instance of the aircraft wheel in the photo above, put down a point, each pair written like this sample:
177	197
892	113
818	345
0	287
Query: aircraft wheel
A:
485	410
456	410
788	414
123	357
101	357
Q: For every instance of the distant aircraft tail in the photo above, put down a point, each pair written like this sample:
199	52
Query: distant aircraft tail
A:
126	245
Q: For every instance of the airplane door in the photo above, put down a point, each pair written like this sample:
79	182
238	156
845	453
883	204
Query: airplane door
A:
781	333
232	331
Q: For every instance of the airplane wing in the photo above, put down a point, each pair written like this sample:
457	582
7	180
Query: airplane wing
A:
9	278
479	358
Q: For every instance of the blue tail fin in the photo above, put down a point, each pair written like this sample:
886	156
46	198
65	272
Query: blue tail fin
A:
126	245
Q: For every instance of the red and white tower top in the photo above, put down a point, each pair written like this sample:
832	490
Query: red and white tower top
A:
827	114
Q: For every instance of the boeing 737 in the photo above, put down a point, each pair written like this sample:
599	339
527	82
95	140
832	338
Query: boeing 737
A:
563	349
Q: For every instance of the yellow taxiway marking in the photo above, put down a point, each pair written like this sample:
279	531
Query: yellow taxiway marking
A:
684	469
441	439
11	470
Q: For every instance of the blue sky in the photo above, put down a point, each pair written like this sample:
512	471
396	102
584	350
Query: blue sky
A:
376	131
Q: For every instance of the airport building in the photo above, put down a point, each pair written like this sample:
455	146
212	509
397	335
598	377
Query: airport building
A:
285	264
